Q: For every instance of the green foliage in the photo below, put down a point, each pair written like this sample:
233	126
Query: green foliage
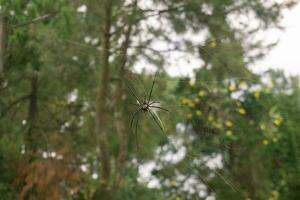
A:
243	121
225	112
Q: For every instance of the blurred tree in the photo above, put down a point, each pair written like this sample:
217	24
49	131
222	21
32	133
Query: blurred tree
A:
244	124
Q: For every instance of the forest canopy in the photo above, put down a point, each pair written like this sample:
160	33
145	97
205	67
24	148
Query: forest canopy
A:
128	99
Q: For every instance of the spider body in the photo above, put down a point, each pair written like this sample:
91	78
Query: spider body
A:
146	106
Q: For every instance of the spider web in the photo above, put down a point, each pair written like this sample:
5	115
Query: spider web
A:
171	104
141	88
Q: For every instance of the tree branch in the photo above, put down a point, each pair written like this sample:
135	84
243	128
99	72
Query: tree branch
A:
159	12
33	21
13	104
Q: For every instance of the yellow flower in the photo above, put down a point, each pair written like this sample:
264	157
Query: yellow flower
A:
265	142
199	113
231	88
197	100
262	127
243	85
217	125
201	93
212	44
228	123
191	104
184	101
173	183
228	133
242	111
257	94
278	121
210	118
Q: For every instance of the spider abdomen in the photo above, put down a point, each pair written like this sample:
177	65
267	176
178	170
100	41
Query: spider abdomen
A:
145	107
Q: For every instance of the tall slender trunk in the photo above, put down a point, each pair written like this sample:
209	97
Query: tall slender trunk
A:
3	38
30	137
119	106
103	191
119	111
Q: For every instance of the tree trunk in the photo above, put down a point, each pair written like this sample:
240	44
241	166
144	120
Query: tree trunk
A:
103	191
119	111
30	138
2	47
119	106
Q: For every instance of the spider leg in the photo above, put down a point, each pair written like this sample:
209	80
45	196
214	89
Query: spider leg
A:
135	96
159	108
150	94
136	135
155	120
134	115
153	102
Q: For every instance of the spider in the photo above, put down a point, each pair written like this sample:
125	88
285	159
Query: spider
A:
146	106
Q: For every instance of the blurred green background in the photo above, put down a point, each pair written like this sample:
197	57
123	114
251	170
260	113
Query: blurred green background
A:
74	73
